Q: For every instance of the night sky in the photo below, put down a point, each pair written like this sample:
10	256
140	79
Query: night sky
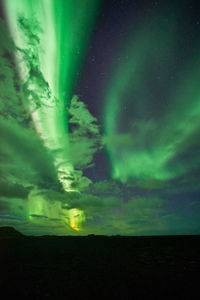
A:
100	117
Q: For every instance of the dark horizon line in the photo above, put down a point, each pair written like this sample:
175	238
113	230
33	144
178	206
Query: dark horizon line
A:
99	235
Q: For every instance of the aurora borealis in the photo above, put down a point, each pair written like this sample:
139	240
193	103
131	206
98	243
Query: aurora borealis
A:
99	117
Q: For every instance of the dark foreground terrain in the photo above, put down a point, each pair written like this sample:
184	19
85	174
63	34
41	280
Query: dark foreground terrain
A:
99	267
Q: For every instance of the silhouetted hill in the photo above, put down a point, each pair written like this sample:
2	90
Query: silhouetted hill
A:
9	232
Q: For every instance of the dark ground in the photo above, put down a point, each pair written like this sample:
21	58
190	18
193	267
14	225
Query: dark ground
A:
100	267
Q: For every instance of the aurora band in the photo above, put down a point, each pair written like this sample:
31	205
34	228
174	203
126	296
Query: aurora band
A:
65	29
151	121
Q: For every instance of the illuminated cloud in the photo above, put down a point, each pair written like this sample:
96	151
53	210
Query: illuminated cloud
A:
85	139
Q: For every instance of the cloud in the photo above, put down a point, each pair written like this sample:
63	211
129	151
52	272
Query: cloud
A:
85	138
45	217
148	184
38	216
12	100
35	87
110	208
105	187
4	206
13	190
24	160
113	208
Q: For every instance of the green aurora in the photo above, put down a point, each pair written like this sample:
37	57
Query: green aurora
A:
57	56
49	138
146	132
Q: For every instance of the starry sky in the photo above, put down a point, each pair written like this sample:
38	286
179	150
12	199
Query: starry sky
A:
99	117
